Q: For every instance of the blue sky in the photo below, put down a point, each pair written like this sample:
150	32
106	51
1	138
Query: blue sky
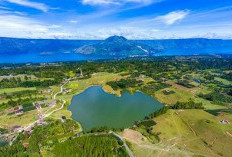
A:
98	19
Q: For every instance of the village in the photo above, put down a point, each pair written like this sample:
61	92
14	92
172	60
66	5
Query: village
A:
51	106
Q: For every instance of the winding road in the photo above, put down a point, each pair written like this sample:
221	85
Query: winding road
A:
124	143
61	107
29	126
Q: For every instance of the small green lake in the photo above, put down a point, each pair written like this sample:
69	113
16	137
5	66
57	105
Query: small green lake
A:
94	107
2	142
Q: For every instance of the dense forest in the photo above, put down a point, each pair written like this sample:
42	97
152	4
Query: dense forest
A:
91	146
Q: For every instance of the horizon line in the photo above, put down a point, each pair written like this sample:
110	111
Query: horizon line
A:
112	36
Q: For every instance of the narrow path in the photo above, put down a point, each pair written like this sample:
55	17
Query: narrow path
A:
124	144
54	98
44	116
186	123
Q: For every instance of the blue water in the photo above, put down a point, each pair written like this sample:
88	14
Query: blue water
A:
196	80
34	58
2	142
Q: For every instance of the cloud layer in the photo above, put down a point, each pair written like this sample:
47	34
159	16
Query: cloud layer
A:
35	5
116	2
173	17
98	19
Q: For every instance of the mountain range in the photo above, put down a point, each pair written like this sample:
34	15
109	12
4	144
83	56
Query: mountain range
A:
115	46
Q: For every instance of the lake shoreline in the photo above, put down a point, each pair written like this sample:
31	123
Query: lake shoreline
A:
95	102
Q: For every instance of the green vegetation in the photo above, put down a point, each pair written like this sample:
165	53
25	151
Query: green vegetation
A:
185	83
168	92
151	87
197	88
58	138
188	105
124	83
146	123
217	97
99	129
159	112
91	146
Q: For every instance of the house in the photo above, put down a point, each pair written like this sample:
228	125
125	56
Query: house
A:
65	90
49	90
163	79
10	75
6	137
41	122
29	131
38	106
63	119
20	107
18	112
16	128
40	116
65	80
25	145
224	121
52	104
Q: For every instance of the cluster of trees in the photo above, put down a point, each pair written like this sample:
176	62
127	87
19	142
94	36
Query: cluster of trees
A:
13	83
227	76
99	129
166	67
146	123
188	105
19	94
91	146
152	87
19	101
217	97
46	135
41	136
14	150
157	113
124	83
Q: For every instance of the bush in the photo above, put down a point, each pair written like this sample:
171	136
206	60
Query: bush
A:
188	105
159	112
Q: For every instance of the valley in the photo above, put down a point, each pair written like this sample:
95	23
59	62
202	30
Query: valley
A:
195	120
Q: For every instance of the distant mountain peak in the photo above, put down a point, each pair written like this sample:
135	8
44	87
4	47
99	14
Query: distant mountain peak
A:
116	46
116	38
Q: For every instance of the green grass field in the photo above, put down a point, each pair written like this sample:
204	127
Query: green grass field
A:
188	133
181	132
11	90
179	95
224	81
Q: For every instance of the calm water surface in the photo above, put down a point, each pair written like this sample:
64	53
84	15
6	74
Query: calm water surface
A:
94	107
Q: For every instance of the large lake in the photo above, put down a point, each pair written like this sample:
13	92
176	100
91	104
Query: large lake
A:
94	108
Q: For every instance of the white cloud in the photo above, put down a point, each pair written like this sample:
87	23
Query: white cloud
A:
40	6
100	2
73	21
5	8
20	26
117	2
143	1
173	17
